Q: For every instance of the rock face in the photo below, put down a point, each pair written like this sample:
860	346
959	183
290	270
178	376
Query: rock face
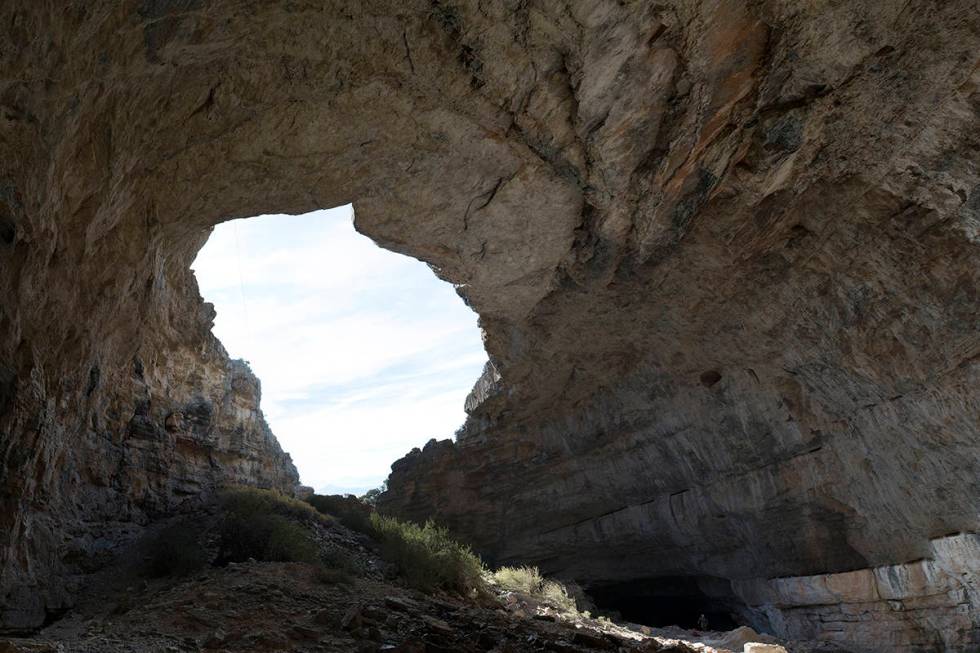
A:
929	603
150	437
725	254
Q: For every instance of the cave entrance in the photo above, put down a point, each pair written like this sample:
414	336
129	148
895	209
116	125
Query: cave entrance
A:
362	353
671	601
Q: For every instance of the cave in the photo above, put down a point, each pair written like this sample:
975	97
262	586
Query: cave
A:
724	256
670	601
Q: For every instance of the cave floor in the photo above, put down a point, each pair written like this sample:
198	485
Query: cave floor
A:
274	606
267	606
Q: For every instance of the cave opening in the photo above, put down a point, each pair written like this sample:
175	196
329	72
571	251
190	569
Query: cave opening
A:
362	353
690	602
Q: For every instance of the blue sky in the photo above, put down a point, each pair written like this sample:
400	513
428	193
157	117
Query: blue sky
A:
362	353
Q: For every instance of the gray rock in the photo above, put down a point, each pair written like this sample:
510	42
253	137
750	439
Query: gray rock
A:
725	256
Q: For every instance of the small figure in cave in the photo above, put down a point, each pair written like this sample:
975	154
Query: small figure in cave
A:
702	622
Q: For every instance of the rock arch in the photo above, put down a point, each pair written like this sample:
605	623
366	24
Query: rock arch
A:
629	194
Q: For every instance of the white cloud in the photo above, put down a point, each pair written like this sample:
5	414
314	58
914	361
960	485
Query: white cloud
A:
363	353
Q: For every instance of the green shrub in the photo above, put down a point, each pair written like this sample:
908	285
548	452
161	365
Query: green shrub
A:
427	557
529	580
371	496
267	526
272	538
250	500
351	511
177	551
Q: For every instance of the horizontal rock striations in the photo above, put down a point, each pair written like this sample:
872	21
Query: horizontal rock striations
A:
725	256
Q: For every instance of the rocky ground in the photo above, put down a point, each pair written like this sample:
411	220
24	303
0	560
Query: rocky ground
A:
359	605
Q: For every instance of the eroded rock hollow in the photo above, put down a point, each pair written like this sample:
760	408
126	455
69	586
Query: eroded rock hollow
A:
726	256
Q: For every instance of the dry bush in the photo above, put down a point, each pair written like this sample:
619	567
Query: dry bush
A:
427	557
519	579
528	580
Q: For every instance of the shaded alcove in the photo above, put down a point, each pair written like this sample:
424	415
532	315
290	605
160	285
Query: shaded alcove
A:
671	601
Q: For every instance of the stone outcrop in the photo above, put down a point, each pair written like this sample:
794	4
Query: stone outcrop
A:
153	437
928	604
725	255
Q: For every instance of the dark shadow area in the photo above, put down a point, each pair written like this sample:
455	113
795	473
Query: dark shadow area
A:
671	601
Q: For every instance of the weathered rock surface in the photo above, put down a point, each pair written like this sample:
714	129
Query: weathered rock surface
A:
155	437
726	256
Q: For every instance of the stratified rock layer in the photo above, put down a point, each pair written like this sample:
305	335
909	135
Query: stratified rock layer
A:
726	256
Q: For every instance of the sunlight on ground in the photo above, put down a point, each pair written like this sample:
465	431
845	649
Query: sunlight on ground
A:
362	353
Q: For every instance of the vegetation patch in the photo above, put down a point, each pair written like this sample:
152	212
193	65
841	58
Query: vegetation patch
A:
177	550
427	557
250	500
268	526
265	525
352	512
528	580
371	496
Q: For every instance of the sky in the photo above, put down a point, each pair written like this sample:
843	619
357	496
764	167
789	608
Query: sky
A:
362	353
